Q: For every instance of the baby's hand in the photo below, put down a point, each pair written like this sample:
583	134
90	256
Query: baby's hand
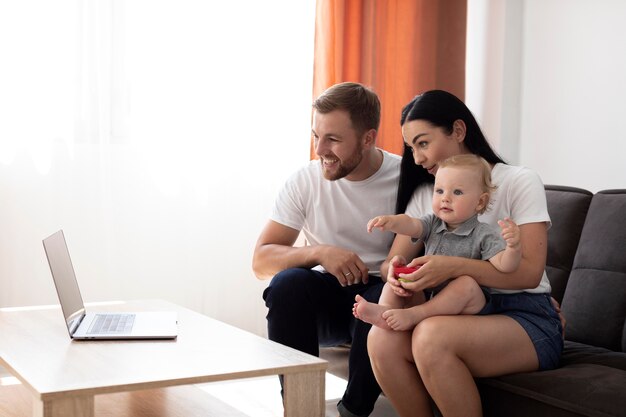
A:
510	232
381	222
397	262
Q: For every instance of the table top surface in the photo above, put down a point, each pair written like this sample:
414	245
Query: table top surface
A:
36	348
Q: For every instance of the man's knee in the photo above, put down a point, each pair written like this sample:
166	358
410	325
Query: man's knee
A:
373	292
286	286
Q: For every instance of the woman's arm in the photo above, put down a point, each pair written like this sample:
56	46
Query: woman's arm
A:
437	268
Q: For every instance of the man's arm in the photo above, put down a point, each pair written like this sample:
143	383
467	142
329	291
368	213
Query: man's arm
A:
274	252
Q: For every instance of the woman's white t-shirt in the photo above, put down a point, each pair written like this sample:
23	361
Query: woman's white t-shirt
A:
520	195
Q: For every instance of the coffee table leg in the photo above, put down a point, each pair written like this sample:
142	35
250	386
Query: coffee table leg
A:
64	407
304	394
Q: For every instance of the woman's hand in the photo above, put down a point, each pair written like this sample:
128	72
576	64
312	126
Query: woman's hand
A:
434	269
557	307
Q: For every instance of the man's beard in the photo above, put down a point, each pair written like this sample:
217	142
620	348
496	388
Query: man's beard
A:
345	167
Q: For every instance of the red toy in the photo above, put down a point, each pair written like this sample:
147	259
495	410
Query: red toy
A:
403	270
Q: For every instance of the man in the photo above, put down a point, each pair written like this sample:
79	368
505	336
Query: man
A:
312	292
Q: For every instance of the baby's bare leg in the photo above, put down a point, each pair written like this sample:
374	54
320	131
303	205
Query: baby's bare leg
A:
461	296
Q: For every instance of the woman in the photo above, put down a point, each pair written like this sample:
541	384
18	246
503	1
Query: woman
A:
439	359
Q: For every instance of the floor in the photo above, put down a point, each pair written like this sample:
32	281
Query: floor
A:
260	397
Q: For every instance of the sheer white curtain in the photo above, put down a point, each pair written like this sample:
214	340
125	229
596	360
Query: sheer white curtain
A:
103	90
156	134
37	78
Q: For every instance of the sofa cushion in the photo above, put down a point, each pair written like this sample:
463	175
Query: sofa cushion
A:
578	353
587	384
594	302
568	208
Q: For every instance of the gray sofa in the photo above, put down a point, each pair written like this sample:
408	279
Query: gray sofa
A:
586	266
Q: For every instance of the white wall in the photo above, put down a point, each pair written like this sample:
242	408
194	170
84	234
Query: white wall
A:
573	102
493	71
172	210
547	83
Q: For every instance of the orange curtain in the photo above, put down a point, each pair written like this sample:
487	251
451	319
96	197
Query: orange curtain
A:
399	48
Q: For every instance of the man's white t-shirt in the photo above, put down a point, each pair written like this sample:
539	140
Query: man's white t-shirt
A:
336	212
520	195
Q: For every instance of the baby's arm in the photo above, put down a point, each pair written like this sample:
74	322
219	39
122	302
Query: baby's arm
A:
399	223
508	260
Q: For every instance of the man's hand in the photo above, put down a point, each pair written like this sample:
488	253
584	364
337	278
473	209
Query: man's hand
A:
345	265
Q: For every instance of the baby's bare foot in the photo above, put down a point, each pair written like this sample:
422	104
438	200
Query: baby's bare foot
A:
371	313
402	319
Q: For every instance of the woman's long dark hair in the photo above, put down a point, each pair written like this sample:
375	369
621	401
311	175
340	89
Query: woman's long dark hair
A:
441	109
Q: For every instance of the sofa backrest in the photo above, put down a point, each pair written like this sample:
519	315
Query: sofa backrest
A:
594	302
568	208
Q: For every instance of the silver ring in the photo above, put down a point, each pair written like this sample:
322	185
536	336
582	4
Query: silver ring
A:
348	273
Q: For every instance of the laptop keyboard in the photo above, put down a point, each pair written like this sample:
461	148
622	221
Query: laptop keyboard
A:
112	324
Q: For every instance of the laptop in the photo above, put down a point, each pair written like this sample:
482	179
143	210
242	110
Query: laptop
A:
83	325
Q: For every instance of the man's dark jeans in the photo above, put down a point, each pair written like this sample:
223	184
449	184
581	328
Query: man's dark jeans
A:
308	309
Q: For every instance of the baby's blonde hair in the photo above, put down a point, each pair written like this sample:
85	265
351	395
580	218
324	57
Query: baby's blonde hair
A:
477	164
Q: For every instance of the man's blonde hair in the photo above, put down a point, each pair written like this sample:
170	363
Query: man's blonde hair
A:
477	164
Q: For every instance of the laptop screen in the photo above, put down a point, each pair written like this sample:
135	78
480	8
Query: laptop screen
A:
64	279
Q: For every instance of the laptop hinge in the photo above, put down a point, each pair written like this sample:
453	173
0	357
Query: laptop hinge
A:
74	324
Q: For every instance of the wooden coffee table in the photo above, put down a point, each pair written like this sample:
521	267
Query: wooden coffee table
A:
64	376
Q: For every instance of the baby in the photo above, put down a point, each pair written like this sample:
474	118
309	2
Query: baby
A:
462	191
